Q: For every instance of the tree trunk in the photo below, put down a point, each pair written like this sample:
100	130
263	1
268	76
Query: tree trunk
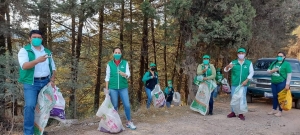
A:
2	52
98	80
122	24
9	44
73	68
2	23
165	45
153	39
144	55
131	90
44	10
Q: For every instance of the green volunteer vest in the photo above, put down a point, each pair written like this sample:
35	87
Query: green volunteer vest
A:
239	73
26	76
116	81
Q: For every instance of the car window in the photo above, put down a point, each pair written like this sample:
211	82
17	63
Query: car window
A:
263	65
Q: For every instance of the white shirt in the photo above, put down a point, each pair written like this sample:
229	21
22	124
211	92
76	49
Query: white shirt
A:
108	72
251	70
41	69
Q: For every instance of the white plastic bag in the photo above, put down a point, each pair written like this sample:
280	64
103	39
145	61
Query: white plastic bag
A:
110	120
238	101
176	99
225	86
58	111
158	97
44	105
201	101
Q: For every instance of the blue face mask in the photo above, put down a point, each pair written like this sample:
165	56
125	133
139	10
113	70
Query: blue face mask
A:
205	62
36	42
279	58
117	56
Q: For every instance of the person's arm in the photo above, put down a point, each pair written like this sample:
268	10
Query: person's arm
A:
107	76
289	76
199	70
146	77
127	70
24	60
53	70
228	67
213	72
157	77
270	70
251	73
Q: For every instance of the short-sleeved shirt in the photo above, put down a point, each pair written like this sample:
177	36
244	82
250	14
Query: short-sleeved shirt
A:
281	74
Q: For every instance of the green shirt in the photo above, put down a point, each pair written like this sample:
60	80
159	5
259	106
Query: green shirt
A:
281	74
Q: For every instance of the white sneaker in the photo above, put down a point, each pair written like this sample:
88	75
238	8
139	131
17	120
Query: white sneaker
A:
130	125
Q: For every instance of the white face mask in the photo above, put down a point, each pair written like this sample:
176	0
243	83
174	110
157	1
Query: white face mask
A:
241	56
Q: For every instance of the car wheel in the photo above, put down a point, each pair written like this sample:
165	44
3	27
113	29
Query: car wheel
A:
297	104
249	98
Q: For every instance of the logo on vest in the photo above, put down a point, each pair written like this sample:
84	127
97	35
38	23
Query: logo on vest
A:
122	66
245	66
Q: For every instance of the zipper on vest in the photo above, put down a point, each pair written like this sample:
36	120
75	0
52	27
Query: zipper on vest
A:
241	71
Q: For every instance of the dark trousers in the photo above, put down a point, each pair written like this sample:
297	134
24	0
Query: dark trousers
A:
211	102
276	88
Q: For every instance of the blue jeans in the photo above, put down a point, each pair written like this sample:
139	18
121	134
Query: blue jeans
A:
114	96
211	102
149	100
244	94
216	90
168	104
31	93
276	88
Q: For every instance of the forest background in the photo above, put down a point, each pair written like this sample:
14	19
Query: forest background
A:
174	34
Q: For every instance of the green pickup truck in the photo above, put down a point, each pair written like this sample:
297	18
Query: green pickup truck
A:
261	81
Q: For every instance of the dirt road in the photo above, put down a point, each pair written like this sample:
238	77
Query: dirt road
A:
183	121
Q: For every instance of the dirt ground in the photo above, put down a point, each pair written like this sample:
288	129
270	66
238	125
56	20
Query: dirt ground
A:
180	120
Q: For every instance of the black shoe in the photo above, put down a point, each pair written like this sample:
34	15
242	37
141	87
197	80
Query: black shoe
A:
45	133
210	113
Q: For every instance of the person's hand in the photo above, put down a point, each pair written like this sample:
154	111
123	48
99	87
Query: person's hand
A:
205	78
42	58
274	70
52	84
229	66
122	74
204	70
245	82
106	91
287	87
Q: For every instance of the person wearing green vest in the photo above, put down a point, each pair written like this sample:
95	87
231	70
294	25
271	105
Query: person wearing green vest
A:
116	84
150	80
37	69
281	71
241	72
169	92
219	78
208	72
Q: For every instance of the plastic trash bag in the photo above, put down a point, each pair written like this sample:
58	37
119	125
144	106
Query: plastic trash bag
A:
45	103
158	97
176	99
201	102
58	111
198	79
285	100
238	101
225	86
110	120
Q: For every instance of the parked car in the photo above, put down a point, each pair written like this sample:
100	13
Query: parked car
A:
261	81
